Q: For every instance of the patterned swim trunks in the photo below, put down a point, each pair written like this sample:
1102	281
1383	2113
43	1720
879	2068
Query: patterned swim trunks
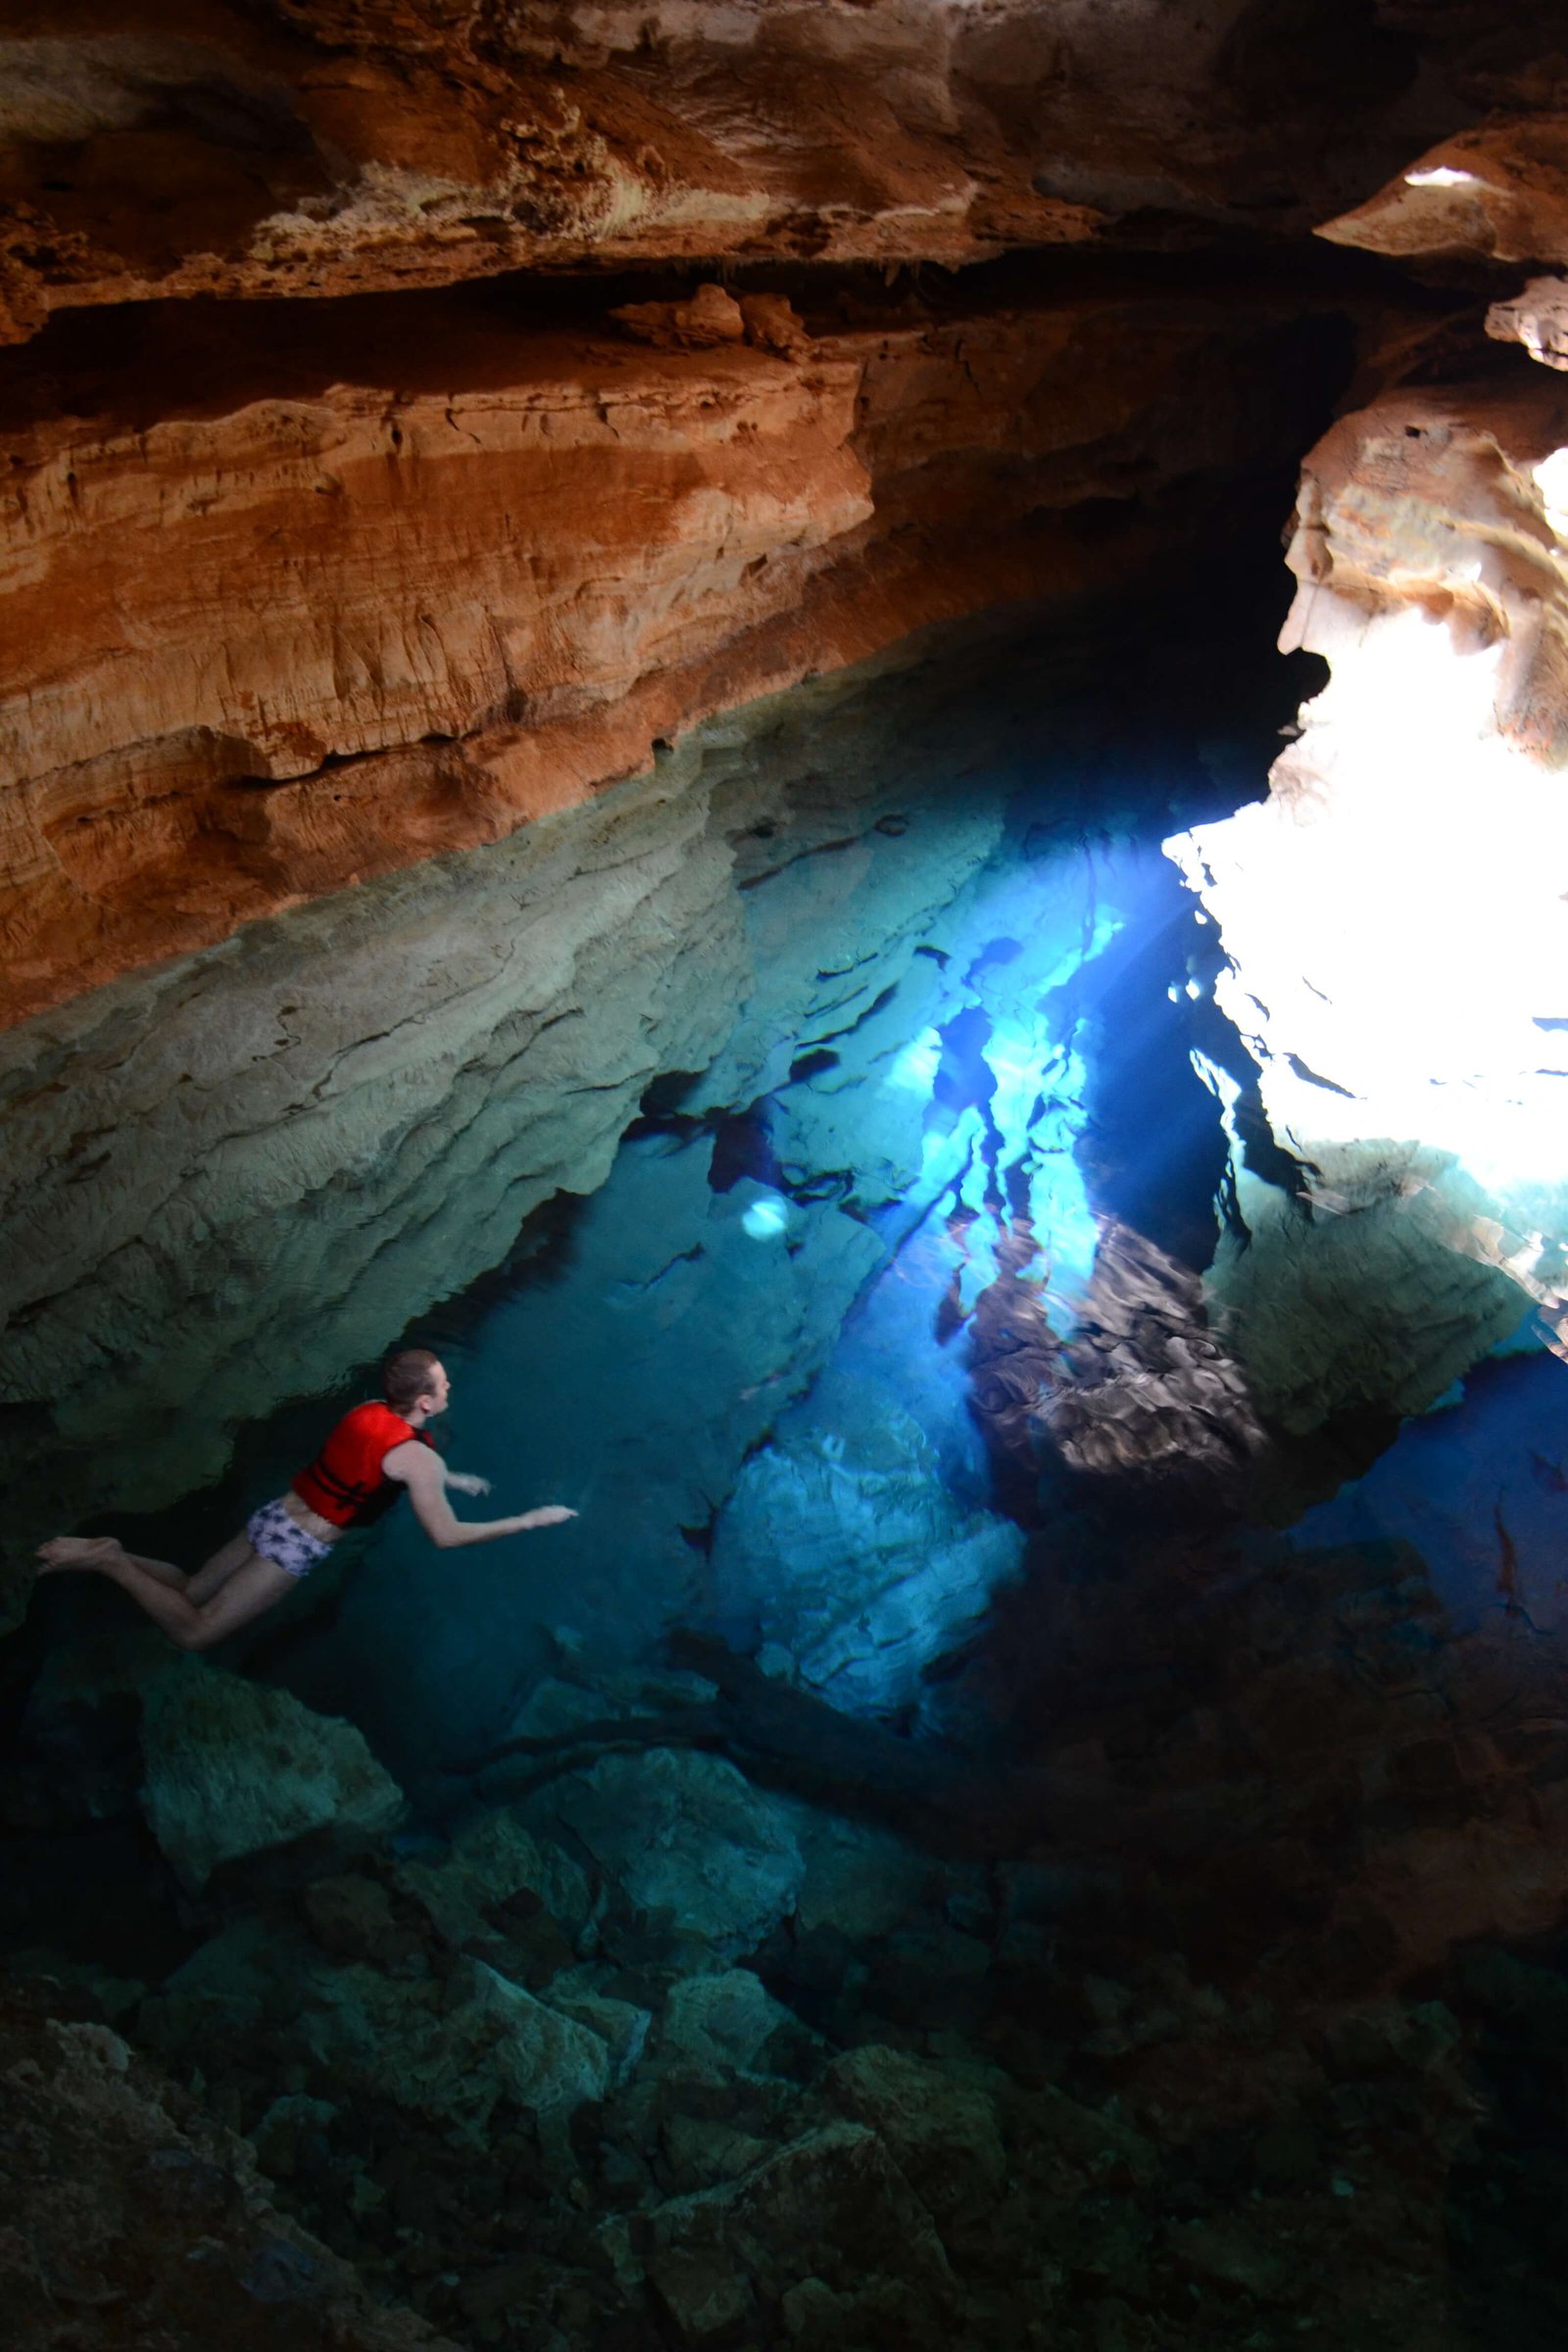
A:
278	1536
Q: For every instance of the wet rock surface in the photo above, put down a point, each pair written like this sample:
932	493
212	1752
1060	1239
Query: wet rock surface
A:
1119	2095
509	559
233	1769
132	2216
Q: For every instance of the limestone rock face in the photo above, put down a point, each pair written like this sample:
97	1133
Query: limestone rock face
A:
128	2206
1501	191
1408	1042
688	1840
315	150
235	1767
321	148
282	1183
1536	317
497	563
301	588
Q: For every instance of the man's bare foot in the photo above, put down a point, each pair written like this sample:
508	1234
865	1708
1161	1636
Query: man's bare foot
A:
76	1551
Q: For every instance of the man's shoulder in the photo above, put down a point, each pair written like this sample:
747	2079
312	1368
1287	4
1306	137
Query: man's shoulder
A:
374	1415
407	1454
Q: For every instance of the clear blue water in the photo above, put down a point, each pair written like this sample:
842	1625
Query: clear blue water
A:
745	1362
748	1359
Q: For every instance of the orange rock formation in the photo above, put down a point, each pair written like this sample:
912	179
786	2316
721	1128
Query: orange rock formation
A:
297	588
288	610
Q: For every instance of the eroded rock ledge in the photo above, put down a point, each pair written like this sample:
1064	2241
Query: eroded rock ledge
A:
310	148
323	587
289	607
1408	1043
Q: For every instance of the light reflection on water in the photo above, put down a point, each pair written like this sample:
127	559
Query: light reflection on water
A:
758	1398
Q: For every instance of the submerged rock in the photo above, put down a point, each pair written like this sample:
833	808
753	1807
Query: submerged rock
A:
724	2021
1365	1297
831	2207
686	1839
942	2131
290	2123
234	1768
620	2025
447	2049
132	2218
860	1880
491	1865
855	1557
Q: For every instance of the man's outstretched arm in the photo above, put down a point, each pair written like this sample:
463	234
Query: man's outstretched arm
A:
465	1482
425	1477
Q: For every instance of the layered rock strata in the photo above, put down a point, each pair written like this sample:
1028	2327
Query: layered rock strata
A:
307	149
1408	1042
286	612
233	1181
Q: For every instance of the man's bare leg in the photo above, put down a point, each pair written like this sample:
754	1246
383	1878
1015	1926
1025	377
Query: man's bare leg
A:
214	1574
248	1587
76	1551
164	1571
91	1551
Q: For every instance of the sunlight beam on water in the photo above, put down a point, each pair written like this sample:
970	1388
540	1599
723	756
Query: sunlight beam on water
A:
1019	1149
1394	916
767	1219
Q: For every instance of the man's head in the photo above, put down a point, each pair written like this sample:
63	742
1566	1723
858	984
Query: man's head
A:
414	1382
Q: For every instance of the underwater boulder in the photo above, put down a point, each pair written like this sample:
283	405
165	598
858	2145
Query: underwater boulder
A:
687	1842
860	1880
620	2025
850	1553
493	1863
381	2037
235	1767
724	2021
135	2218
831	2206
445	2047
941	2130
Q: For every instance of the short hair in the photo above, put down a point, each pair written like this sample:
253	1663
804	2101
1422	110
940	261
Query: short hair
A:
406	1376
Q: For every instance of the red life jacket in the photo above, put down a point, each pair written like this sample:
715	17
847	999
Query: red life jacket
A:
346	1483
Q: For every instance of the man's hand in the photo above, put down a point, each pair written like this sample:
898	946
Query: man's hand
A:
428	1480
468	1482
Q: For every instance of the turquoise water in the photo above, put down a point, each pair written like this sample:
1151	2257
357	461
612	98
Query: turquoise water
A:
746	1360
1230	1765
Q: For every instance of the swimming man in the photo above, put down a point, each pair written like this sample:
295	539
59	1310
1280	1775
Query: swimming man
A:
375	1454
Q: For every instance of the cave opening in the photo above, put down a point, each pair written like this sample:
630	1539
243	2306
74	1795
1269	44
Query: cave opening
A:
656	740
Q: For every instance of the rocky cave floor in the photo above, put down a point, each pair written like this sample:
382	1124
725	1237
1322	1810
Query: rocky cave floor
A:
655	2053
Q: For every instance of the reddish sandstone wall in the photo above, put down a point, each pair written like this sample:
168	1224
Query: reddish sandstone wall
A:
277	619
